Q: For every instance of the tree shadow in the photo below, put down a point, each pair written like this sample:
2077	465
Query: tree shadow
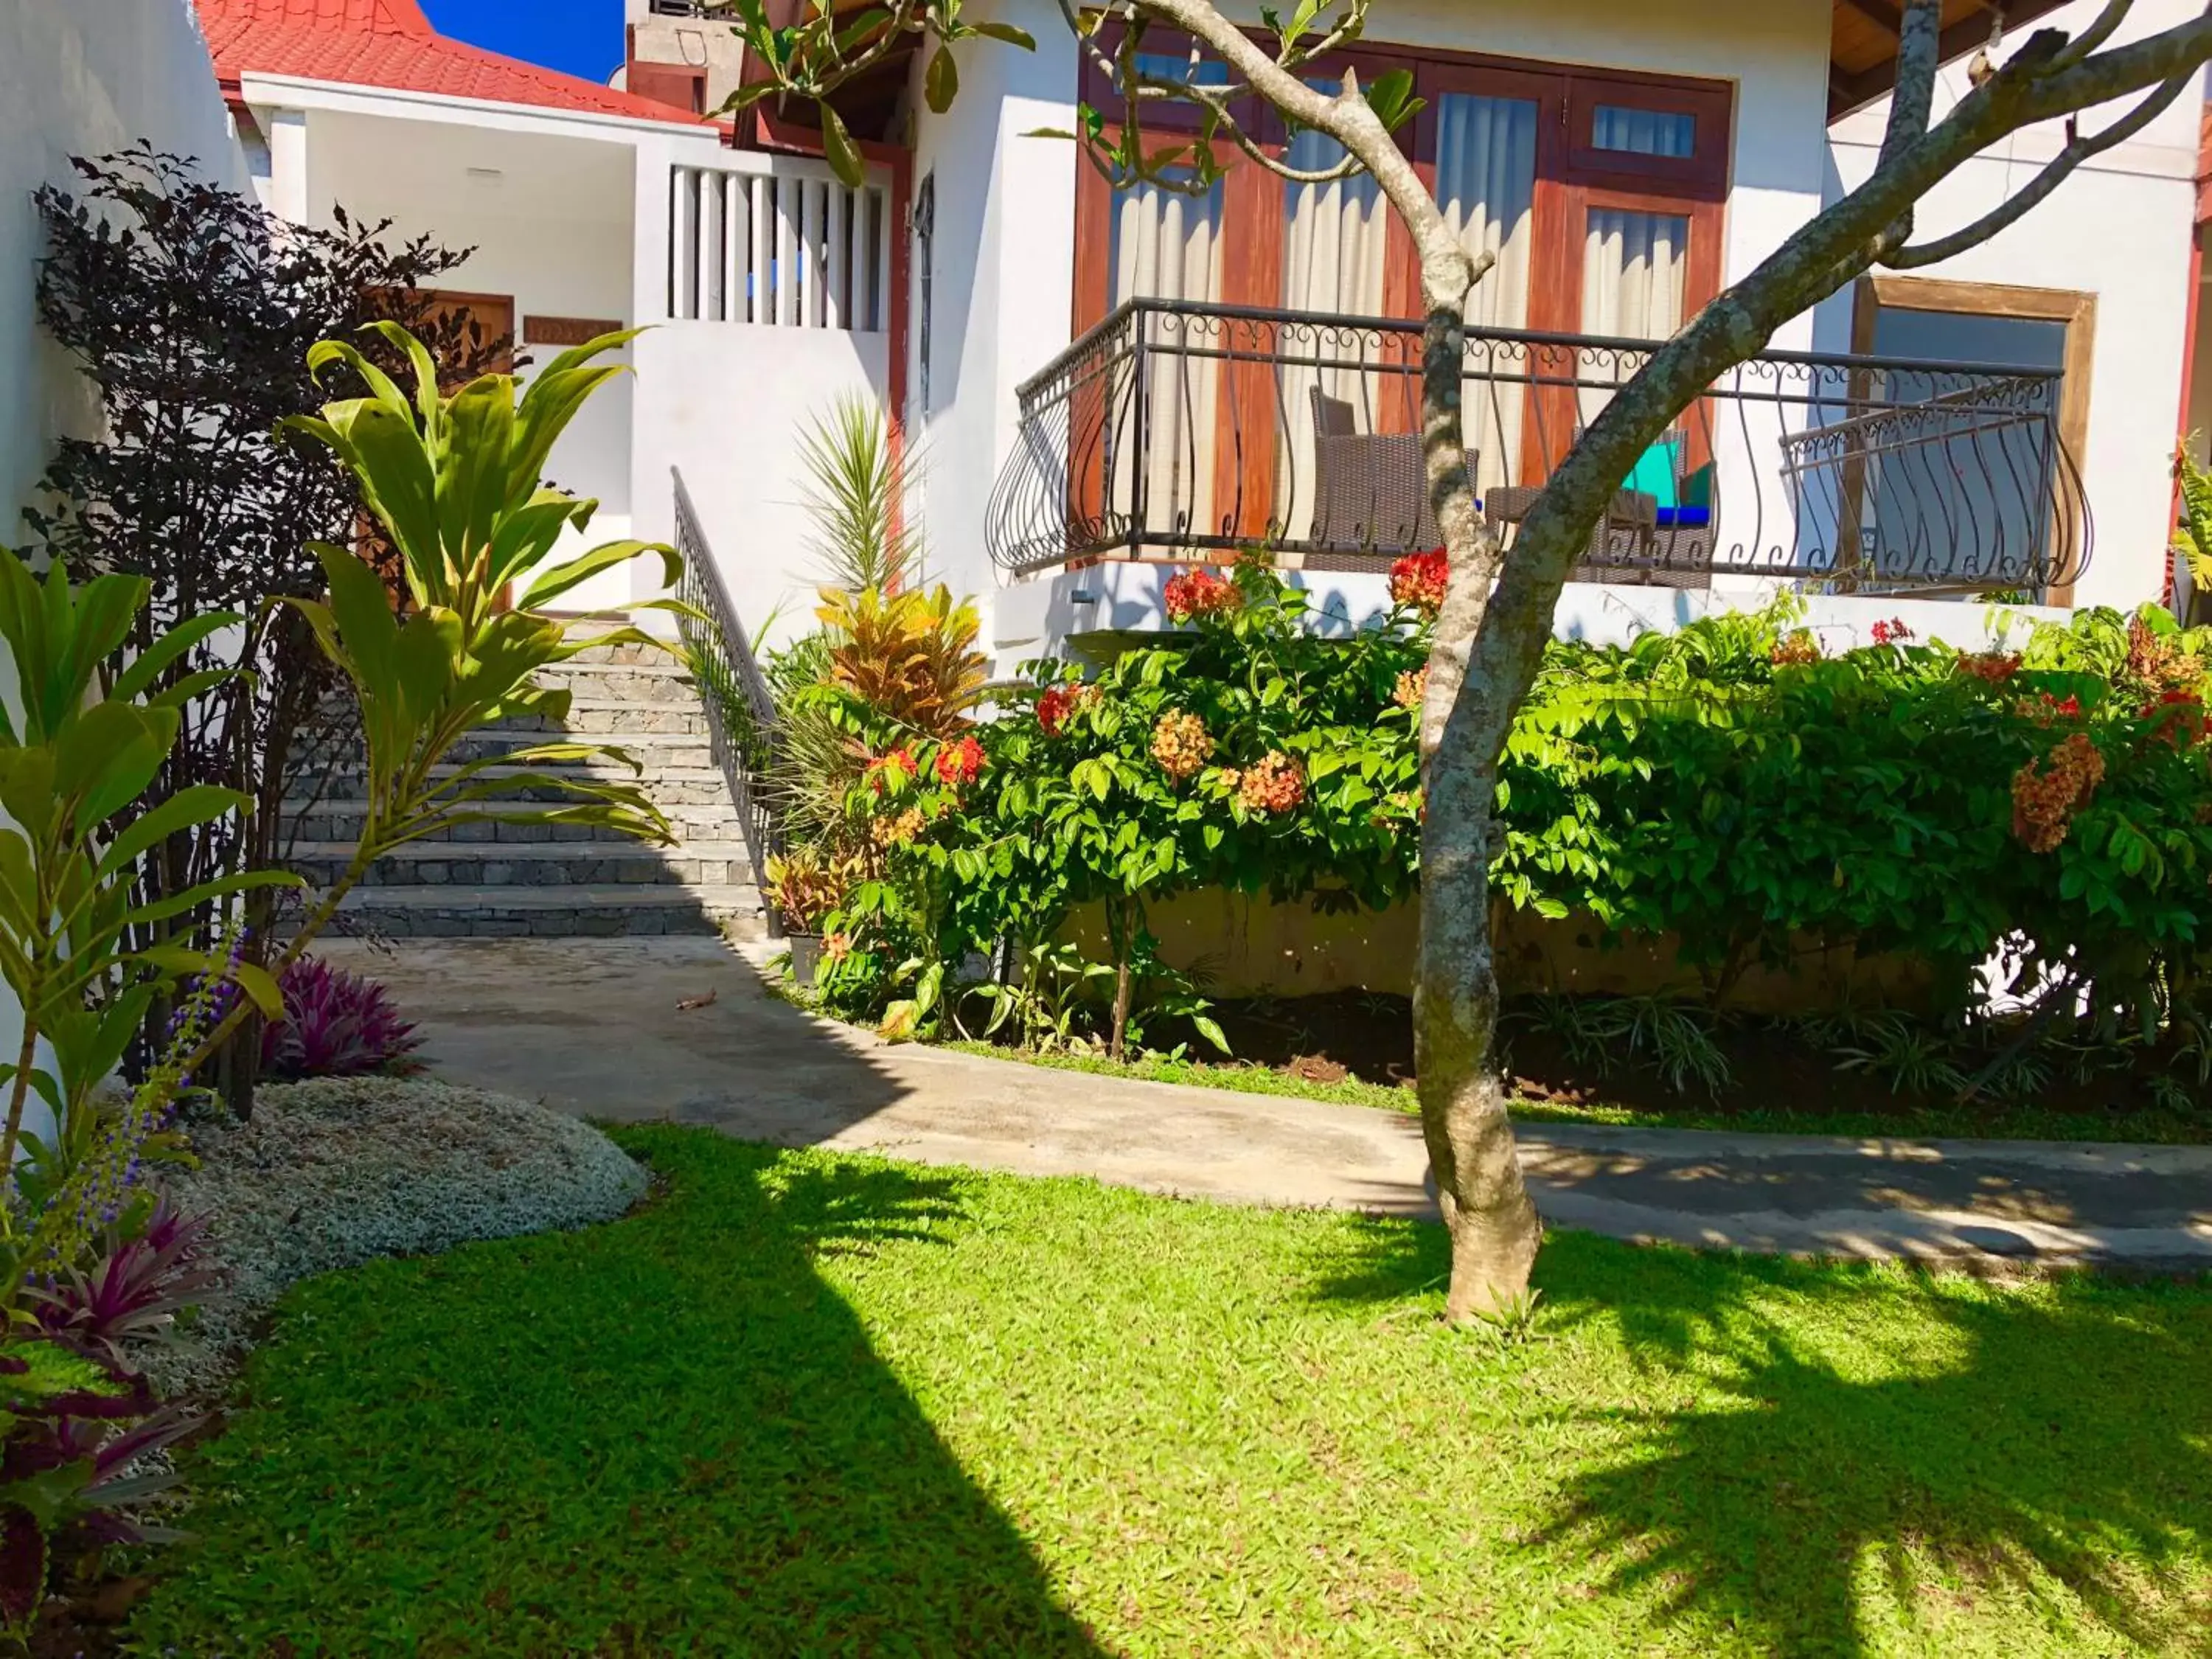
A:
1860	1451
670	1434
1944	1441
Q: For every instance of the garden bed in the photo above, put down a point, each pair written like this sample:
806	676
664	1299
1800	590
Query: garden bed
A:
1357	1047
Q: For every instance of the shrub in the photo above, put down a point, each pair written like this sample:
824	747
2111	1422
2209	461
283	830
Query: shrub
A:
1728	787
336	1023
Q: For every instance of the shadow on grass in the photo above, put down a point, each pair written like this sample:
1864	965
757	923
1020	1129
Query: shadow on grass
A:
665	1437
1852	1442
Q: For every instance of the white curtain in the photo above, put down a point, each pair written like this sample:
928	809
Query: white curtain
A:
1644	131
1167	245
1333	241
1634	273
1487	185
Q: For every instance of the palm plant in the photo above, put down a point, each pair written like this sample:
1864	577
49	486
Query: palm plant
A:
856	482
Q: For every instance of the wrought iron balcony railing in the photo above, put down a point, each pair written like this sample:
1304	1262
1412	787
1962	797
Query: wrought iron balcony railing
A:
1175	430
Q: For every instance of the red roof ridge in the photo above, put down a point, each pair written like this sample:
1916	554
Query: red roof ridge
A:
392	46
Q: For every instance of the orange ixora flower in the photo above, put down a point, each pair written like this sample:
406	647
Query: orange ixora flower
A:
836	946
1200	594
1274	783
1411	689
2044	802
2179	716
1181	744
1417	581
1994	667
1059	701
897	831
1795	648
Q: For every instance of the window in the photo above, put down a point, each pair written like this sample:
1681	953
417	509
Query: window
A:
1598	194
1961	497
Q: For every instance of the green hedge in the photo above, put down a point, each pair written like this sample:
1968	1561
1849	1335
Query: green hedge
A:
1728	784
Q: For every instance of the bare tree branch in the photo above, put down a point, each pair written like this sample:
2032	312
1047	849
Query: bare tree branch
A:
1919	49
2078	149
2099	31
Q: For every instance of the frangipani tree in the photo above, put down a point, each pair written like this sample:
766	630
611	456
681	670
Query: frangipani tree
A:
1498	609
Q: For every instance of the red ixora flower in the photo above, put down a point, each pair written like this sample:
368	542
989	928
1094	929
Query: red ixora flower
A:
1200	594
1059	701
960	763
2046	708
1893	632
1417	581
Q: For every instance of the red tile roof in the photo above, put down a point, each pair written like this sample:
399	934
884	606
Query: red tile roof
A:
390	43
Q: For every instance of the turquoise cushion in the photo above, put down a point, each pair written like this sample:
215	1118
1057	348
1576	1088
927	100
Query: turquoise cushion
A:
1656	470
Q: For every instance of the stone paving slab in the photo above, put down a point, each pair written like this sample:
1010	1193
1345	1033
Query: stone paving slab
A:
592	1026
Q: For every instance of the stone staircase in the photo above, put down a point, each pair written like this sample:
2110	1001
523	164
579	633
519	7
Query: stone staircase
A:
505	880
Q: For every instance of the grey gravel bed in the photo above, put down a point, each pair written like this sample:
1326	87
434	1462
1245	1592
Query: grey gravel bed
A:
336	1171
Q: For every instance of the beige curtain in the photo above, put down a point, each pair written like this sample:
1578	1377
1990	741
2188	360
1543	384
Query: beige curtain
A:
1634	271
1487	185
1167	245
1333	241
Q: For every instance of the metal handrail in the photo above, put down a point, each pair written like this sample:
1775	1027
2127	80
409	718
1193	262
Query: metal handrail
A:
742	724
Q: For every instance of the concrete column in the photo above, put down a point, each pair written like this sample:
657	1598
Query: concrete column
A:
287	196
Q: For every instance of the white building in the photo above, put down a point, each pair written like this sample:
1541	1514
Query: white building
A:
1625	161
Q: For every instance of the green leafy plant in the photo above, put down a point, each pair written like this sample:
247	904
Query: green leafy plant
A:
454	482
77	745
1906	1055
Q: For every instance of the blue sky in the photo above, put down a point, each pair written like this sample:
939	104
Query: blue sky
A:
580	37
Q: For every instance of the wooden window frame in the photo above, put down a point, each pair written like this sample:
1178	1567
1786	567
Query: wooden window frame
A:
1569	181
2076	309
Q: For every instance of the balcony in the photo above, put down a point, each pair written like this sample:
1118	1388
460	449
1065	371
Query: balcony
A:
1176	431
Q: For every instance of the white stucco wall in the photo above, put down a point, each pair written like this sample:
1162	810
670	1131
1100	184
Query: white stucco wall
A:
1004	267
81	80
2119	228
78	81
727	402
548	216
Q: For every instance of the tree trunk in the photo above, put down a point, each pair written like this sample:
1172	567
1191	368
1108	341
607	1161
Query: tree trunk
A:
1123	939
1493	1225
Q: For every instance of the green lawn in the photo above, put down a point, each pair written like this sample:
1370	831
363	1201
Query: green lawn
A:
812	1405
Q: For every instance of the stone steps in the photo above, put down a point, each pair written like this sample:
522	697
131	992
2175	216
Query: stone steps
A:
553	912
504	880
341	820
605	862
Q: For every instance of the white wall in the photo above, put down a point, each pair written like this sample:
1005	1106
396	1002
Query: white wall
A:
550	218
727	402
81	80
1005	264
1053	616
2119	228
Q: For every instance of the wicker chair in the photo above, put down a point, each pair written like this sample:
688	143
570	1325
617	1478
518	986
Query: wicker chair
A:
1371	490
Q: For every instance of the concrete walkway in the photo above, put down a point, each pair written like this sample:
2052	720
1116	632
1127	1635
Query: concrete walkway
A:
592	1026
